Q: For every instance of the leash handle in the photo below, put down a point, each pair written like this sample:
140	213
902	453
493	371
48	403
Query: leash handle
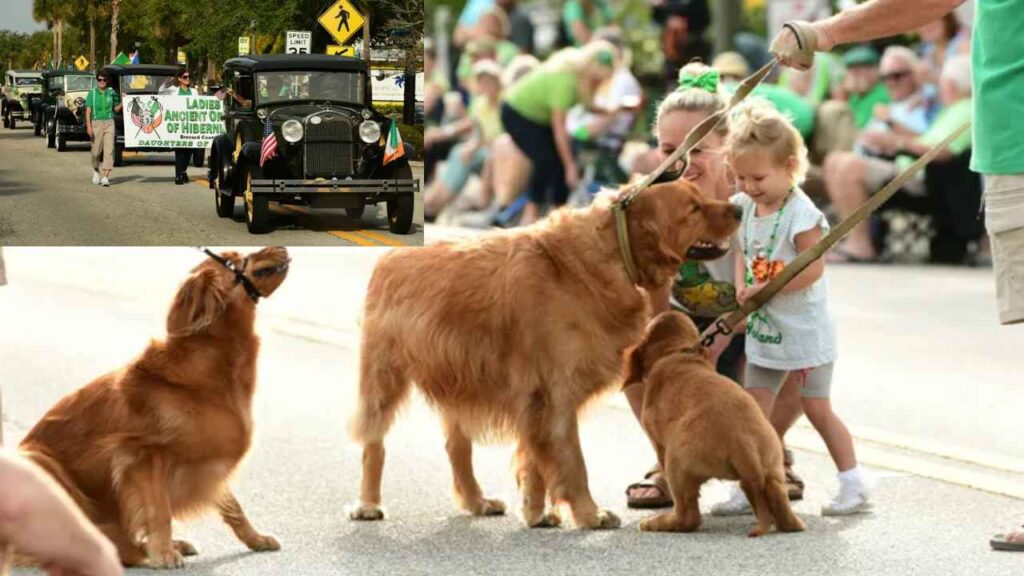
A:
720	327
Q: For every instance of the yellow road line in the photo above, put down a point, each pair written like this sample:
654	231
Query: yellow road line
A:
381	238
352	237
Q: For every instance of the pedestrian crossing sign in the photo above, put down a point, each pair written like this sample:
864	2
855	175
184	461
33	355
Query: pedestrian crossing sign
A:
342	20
81	63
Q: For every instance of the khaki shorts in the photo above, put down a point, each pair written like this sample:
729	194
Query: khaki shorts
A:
1004	219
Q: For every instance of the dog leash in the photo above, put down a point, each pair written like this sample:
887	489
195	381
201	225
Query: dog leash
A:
693	138
803	260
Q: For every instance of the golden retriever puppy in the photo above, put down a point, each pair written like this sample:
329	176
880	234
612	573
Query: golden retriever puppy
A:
159	438
703	426
510	335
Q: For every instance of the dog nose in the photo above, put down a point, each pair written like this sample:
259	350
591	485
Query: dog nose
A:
737	212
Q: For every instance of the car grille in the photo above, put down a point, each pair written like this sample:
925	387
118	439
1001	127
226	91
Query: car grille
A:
330	147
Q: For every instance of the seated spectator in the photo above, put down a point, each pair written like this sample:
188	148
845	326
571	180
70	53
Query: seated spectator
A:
941	40
855	98
438	141
520	26
470	156
909	112
851	179
582	17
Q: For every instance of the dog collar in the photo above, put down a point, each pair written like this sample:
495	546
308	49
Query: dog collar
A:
240	277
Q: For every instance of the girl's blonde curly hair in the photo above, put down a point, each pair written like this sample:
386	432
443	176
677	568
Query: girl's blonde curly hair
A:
757	127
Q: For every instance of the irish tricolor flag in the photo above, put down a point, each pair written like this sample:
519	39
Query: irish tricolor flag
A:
394	148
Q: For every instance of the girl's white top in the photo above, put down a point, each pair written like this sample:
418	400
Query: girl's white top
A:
794	330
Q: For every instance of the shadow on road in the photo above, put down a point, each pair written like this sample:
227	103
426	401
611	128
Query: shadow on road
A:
9	187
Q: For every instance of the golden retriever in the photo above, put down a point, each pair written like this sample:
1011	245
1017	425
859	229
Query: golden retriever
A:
510	335
159	438
702	426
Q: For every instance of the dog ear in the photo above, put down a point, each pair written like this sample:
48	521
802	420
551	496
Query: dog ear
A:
199	301
634	366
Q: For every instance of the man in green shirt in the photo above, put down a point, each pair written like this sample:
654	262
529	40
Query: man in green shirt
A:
100	106
998	121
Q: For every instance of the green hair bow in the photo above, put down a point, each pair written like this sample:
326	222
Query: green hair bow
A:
708	81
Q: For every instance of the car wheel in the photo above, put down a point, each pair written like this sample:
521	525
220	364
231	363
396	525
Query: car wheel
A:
198	158
51	136
225	202
62	144
118	155
257	208
356	212
400	210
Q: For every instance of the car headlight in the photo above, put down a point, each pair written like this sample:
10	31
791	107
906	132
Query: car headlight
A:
292	131
367	114
369	131
79	102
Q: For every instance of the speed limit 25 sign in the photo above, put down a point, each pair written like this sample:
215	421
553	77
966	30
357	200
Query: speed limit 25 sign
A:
298	42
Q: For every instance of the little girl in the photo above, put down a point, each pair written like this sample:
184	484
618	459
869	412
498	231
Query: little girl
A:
794	331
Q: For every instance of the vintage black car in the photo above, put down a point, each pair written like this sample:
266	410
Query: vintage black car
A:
136	79
60	115
330	141
21	89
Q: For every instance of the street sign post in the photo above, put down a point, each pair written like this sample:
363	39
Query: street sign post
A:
243	45
81	63
299	42
341	20
335	50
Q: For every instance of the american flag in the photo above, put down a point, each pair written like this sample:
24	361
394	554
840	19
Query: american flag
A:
269	148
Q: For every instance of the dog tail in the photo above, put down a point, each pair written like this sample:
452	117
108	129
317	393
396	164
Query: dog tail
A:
778	503
58	473
383	387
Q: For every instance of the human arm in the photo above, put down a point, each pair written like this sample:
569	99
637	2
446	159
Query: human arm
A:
867	21
88	121
813	272
39	519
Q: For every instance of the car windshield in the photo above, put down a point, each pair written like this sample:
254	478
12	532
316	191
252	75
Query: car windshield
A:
80	83
29	81
276	87
145	83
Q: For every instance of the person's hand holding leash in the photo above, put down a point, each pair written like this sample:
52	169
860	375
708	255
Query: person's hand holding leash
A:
798	41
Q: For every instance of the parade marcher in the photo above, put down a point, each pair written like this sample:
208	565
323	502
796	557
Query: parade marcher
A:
182	156
534	114
101	104
794	332
703	290
998	150
39	519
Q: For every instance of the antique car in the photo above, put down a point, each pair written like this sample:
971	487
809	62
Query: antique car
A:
21	89
141	79
60	115
330	141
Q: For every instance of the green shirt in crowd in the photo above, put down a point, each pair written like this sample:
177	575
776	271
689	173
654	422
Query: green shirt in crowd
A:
600	15
997	63
863	105
102	103
949	119
487	118
541	91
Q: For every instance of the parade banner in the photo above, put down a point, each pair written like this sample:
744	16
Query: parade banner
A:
171	121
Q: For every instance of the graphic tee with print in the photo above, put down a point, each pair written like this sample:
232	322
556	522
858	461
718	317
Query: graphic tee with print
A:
794	330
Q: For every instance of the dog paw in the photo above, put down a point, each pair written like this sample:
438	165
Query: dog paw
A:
166	559
604	520
262	543
549	519
757	532
366	512
488	507
185	548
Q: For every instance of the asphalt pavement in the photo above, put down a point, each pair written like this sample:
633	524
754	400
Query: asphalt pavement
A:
47	199
927	381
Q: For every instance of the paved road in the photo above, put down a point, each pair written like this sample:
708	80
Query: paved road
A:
47	199
923	363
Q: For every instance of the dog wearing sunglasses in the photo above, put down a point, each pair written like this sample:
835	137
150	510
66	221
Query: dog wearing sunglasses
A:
159	438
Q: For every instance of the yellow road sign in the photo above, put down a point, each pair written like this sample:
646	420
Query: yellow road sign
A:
81	63
335	50
182	58
243	45
342	20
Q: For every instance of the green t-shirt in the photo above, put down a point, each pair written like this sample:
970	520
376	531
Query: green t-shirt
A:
998	70
600	15
541	91
102	103
863	106
948	120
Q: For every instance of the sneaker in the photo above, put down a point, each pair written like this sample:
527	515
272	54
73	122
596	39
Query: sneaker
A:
736	505
105	181
96	177
850	500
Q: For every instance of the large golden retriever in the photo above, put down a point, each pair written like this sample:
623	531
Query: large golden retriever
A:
512	334
703	426
159	438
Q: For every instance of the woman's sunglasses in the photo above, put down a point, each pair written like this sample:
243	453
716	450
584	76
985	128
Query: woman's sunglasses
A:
101	80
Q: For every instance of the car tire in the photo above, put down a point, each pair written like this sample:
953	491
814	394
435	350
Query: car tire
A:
118	155
225	203
257	209
356	212
400	209
62	144
51	136
198	157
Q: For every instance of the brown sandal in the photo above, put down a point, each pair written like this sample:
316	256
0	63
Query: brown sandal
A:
1003	543
653	479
